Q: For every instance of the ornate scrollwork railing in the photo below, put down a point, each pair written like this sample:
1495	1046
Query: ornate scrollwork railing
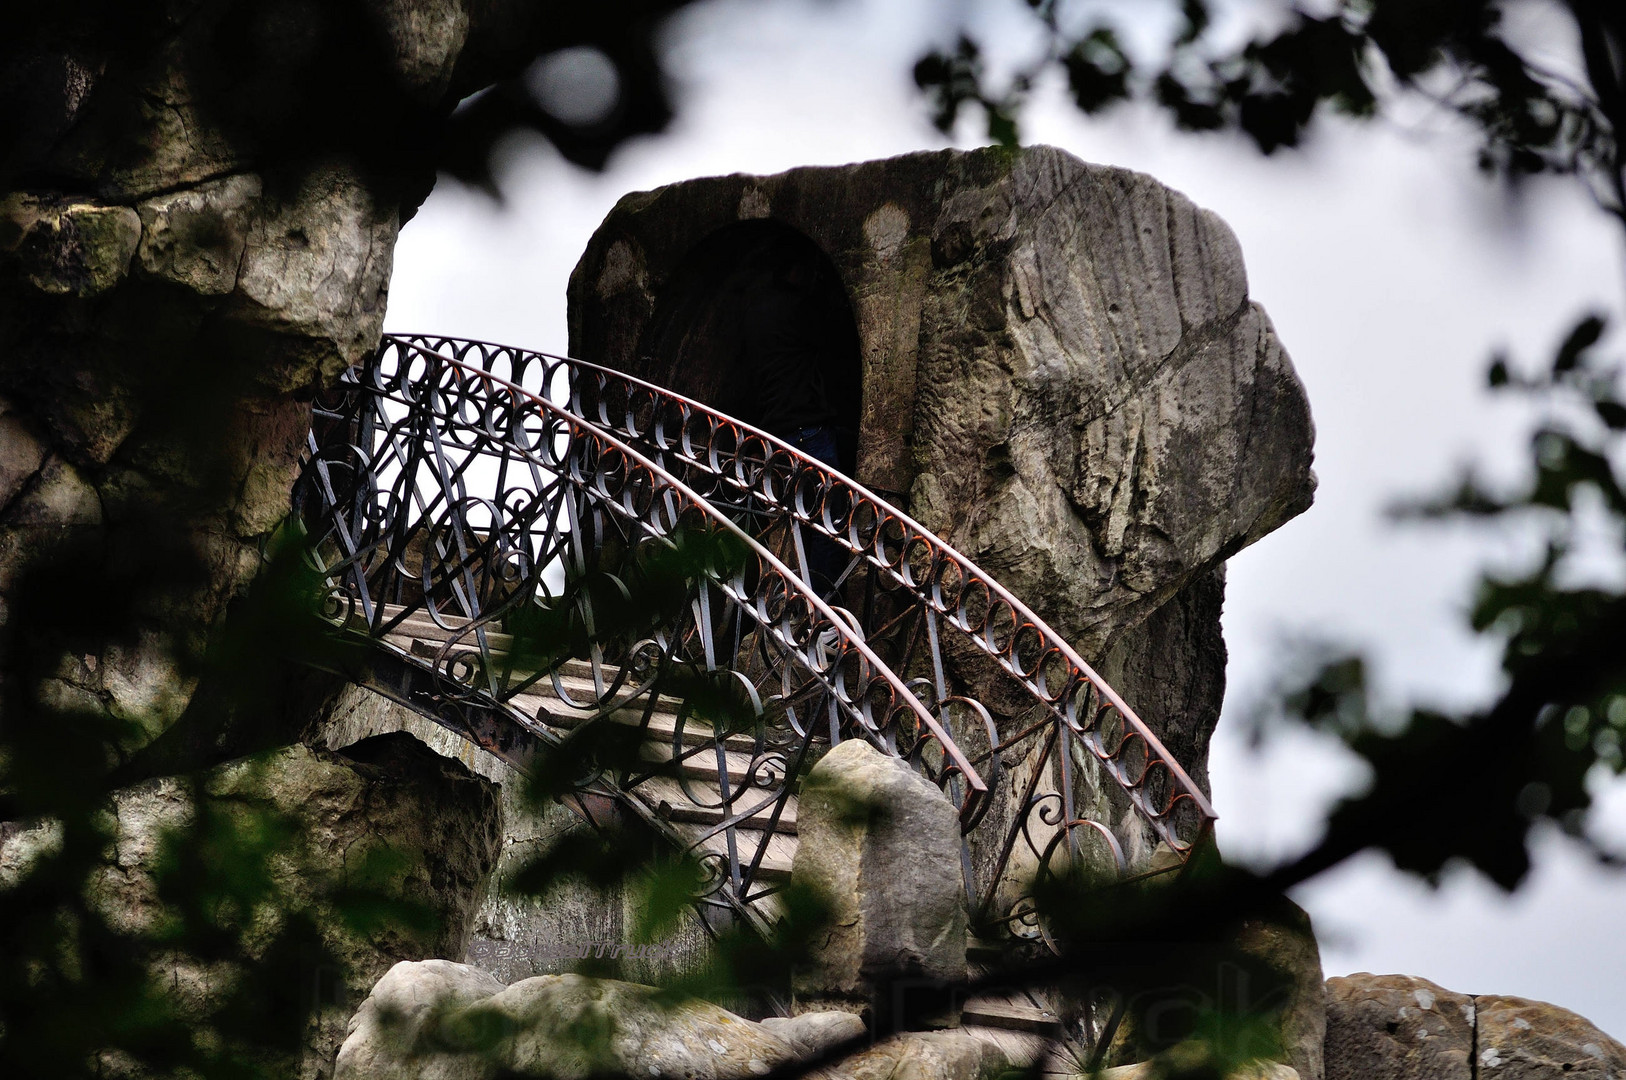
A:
562	576
1007	687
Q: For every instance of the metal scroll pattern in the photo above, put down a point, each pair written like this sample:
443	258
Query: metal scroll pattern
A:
1032	715
569	578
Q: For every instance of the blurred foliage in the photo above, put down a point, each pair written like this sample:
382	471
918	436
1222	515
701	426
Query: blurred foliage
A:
1487	61
89	987
285	84
80	992
1561	712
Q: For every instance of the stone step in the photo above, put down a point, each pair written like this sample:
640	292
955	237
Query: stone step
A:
701	763
660	731
421	642
665	795
1013	1012
420	636
775	861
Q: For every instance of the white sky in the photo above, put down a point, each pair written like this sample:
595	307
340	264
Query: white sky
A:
1391	271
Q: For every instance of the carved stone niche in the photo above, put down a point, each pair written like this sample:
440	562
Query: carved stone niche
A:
1057	369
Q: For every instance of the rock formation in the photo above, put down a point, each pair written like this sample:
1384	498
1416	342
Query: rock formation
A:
513	936
1062	375
447	1020
1400	1026
879	844
198	207
362	807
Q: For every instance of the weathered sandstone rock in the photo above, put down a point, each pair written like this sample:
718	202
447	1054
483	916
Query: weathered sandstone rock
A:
1061	374
1287	944
1061	365
184	261
1148	1070
1521	1039
405	1010
924	1055
1396	1026
812	1032
367	802
561	1026
515	936
1399	1026
880	844
441	1021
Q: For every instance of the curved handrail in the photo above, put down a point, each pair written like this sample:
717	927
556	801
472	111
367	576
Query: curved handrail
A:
1024	646
818	617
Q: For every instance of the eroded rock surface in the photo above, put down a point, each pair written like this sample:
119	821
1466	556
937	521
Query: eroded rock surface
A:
1520	1039
1286	943
1397	1026
1062	367
446	1020
443	1021
1062	375
880	844
511	935
198	209
366	804
1394	1026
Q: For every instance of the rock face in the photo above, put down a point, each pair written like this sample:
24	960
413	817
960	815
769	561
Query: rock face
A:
1062	375
511	936
1521	1039
1287	943
880	844
366	804
198	210
450	1021
1382	1026
1061	366
927	1055
160	356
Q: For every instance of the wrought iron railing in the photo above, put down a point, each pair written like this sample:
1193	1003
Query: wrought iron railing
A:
532	544
1005	687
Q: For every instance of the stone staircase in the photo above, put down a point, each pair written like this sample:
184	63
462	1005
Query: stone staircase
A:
1022	1025
692	813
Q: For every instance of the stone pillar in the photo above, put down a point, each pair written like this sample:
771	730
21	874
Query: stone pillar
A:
881	845
1062	375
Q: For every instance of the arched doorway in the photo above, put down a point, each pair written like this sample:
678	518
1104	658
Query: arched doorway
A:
698	336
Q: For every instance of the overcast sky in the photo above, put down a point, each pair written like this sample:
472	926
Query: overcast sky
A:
1391	272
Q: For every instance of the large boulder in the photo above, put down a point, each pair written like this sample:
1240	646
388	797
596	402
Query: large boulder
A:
443	1021
880	844
1060	373
449	1021
925	1055
1399	1026
1520	1039
1060	363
